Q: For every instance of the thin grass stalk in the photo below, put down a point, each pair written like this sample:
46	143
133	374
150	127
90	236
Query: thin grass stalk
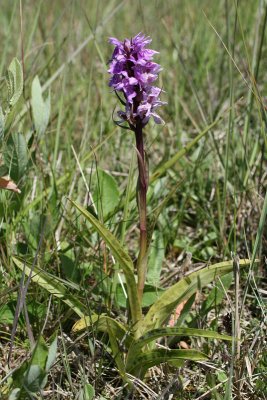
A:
6	43
257	53
228	394
59	122
229	138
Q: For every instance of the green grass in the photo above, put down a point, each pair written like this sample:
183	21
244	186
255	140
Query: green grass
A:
214	59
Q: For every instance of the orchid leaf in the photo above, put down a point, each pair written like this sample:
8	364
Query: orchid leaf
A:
52	285
157	356
182	290
121	256
103	323
137	346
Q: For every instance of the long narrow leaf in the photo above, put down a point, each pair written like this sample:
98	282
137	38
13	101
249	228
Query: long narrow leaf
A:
182	290
121	257
157	333
103	323
137	346
158	356
52	285
116	350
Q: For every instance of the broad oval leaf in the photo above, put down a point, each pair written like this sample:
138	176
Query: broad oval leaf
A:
40	353
15	394
34	378
15	81
52	354
87	392
40	107
15	155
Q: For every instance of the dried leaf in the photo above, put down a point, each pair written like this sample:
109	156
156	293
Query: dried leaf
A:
183	345
8	184
177	313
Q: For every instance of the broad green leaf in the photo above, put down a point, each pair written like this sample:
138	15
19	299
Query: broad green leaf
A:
181	291
34	378
106	194
52	285
15	81
15	394
6	315
70	268
40	108
15	155
155	259
176	363
221	375
155	357
102	323
87	392
150	295
121	257
217	294
137	346
52	354
40	353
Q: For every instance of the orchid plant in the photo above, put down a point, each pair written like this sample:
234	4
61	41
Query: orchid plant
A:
133	73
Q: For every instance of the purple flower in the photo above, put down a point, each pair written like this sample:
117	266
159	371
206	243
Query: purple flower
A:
133	72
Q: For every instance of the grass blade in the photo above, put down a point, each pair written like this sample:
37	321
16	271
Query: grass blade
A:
170	163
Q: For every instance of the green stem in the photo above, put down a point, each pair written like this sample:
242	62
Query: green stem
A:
141	196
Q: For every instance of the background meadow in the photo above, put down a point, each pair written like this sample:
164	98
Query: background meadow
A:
205	205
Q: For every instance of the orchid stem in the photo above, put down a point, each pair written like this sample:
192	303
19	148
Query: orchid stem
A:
141	199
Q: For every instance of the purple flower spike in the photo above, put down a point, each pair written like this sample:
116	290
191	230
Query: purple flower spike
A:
133	72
